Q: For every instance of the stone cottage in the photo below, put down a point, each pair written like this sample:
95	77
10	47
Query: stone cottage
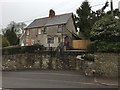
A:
50	31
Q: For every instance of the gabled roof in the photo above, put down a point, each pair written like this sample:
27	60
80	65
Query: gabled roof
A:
47	21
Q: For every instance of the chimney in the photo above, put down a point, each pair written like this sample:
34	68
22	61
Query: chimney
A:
51	13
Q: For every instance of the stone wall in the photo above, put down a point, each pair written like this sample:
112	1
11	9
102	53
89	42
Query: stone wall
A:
105	64
108	56
37	61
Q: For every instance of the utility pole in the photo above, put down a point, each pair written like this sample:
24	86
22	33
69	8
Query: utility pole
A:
119	6
111	7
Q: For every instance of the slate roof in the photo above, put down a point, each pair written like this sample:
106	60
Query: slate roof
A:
47	21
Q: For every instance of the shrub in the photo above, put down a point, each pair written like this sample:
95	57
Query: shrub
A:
92	47
106	32
104	46
88	57
104	68
24	49
106	29
5	42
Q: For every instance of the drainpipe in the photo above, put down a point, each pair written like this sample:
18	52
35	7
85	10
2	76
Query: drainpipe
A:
62	36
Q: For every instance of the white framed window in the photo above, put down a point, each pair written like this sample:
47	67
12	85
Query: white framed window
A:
32	41
26	44
28	32
60	28
39	31
27	39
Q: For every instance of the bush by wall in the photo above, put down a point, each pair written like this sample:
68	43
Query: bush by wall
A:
103	46
88	57
23	49
106	65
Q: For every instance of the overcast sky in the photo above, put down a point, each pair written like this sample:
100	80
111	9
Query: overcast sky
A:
27	10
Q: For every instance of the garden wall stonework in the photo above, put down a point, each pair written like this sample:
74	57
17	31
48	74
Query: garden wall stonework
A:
105	64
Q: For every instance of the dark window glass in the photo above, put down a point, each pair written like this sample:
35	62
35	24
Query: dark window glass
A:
50	39
58	39
44	30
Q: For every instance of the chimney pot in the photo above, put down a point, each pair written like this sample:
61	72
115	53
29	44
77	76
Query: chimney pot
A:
51	13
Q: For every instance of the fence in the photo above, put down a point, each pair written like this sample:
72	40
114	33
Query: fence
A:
80	44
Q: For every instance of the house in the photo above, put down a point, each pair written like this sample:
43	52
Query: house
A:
50	31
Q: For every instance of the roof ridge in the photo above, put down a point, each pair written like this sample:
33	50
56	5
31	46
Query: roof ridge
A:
47	20
54	16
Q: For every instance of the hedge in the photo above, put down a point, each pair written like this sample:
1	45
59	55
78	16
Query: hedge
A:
23	49
103	46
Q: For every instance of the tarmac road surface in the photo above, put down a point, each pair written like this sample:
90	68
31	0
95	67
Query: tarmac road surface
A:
48	79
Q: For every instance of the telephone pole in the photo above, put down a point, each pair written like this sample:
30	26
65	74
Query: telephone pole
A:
111	7
119	6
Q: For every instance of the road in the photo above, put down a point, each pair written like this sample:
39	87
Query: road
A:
48	79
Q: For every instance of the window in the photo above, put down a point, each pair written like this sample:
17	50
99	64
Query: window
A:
58	39
32	41
28	32
23	31
59	28
50	39
27	39
26	44
39	31
44	30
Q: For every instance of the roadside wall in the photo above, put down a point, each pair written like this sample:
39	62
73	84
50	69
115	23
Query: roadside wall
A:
37	61
105	64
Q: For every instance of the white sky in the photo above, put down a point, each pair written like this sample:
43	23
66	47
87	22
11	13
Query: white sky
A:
24	10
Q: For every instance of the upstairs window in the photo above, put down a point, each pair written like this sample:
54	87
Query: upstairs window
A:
39	31
27	39
60	28
44	30
28	32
